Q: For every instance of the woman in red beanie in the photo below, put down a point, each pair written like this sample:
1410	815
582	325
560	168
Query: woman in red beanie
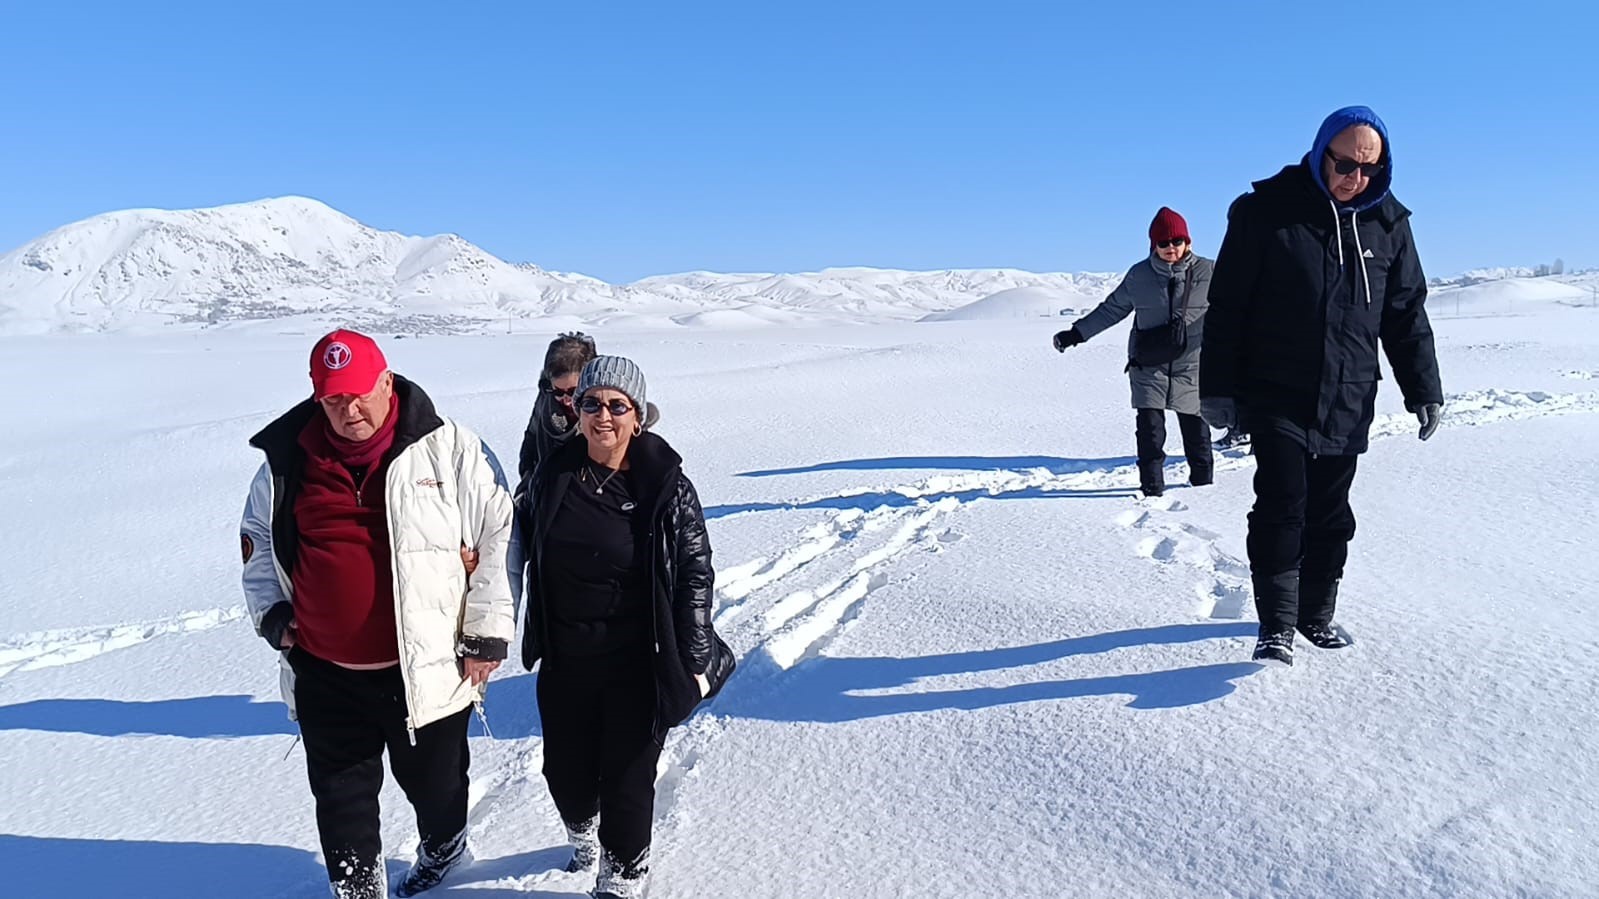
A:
1166	294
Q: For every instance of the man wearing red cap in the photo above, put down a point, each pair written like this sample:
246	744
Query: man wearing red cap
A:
1166	293
353	539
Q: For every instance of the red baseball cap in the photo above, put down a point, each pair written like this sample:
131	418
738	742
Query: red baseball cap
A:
346	362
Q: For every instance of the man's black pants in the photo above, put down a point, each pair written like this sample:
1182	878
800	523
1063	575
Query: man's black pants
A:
347	718
1301	523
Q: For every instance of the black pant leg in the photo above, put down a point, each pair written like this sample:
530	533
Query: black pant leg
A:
1277	521
1329	526
628	758
1276	528
344	763
433	774
569	699
1150	434
1197	448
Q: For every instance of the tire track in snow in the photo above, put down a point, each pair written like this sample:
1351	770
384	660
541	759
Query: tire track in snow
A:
802	623
739	582
47	649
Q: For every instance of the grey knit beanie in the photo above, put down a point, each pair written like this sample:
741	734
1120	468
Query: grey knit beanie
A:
617	373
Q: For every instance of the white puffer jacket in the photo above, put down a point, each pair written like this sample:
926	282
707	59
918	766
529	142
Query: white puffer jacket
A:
442	490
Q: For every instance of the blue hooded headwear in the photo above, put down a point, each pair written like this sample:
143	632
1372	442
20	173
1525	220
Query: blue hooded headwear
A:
1334	125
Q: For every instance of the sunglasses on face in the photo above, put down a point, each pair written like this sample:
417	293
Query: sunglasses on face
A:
1348	166
617	408
1167	244
560	394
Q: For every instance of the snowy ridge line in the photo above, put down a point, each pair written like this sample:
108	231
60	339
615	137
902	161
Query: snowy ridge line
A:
47	649
1480	407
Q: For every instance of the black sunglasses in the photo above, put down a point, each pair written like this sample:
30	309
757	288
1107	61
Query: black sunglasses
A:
1165	244
617	408
560	394
1347	166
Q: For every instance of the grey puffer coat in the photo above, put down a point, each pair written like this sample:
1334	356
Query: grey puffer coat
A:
1152	292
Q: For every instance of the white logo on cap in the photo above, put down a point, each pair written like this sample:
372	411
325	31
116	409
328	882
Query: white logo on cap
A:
336	356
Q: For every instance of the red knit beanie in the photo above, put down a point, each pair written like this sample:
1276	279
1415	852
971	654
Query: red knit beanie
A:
1167	225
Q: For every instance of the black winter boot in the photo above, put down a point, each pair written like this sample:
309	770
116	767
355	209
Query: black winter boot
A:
620	879
1277	606
585	839
1318	598
369	881
1275	647
1326	636
1277	601
1152	478
429	869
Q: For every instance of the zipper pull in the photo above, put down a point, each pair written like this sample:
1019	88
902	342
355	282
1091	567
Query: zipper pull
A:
410	732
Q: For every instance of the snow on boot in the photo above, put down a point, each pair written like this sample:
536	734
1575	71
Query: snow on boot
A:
622	880
368	883
585	839
1275	647
1326	636
430	868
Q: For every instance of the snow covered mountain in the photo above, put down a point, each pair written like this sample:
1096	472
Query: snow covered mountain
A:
270	259
300	265
294	258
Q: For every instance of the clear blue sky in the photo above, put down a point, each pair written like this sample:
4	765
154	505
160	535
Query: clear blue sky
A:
627	139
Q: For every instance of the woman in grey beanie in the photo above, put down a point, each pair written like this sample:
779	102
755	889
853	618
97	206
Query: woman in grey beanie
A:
619	585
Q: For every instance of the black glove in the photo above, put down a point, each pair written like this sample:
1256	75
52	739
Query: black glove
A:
275	622
1429	414
1068	338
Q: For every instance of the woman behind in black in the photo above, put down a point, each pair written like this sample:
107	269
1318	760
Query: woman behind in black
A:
554	418
619	585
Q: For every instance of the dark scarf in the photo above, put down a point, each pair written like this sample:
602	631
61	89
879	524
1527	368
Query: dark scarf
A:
1170	269
356	454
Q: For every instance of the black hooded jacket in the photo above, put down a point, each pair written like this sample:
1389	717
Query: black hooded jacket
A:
1302	294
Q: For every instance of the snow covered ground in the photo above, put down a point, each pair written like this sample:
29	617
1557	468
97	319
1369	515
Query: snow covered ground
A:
973	663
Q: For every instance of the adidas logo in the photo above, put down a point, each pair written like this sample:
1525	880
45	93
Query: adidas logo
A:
1367	255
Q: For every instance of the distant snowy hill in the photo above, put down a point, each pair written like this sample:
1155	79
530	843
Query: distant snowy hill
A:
301	263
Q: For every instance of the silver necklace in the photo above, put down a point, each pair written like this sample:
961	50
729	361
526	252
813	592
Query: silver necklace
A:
600	489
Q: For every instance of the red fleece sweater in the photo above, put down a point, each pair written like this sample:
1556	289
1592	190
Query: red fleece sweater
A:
343	576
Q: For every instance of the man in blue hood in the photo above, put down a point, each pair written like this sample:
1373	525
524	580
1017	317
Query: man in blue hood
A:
1318	267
